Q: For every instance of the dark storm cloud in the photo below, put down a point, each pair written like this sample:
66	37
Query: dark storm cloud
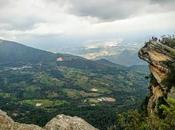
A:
162	1
105	9
109	10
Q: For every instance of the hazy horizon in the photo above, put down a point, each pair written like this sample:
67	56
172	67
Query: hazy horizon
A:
57	25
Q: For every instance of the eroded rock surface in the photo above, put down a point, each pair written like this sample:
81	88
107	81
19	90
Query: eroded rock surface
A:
60	122
160	54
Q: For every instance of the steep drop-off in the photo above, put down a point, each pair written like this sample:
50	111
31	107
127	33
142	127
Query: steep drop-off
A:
160	54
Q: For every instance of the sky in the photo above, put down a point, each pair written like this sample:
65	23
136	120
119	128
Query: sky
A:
55	25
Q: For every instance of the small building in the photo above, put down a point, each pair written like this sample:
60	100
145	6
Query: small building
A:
60	59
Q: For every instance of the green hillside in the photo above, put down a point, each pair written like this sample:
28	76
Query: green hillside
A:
45	84
12	53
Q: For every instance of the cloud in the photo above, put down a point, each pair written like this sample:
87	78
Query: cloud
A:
17	15
106	9
19	24
162	1
4	3
110	10
78	21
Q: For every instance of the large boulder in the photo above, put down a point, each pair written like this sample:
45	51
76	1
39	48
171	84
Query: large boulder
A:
60	122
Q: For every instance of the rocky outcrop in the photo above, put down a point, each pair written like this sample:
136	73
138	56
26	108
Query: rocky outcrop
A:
6	123
160	54
60	122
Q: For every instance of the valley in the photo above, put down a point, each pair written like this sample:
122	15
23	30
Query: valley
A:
35	89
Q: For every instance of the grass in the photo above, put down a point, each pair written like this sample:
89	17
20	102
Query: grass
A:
44	102
76	94
5	95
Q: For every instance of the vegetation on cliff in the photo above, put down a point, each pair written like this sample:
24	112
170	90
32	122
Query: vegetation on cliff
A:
134	120
159	112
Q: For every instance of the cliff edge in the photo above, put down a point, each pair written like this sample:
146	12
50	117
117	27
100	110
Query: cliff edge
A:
160	55
60	122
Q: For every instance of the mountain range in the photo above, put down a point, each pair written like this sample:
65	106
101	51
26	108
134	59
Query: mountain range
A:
36	84
123	54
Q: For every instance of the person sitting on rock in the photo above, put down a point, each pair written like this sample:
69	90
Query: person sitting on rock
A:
154	38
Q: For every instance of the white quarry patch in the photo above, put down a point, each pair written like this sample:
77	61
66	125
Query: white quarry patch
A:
38	104
94	90
106	99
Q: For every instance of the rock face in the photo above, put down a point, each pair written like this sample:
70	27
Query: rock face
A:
161	58
60	122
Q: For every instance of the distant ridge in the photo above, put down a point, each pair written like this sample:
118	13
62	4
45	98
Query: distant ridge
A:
15	53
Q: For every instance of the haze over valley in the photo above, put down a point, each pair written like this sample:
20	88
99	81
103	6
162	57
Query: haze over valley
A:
87	65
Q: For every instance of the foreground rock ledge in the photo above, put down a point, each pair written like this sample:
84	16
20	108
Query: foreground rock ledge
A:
60	122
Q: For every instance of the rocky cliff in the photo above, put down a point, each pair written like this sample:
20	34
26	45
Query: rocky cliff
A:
160	54
60	122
